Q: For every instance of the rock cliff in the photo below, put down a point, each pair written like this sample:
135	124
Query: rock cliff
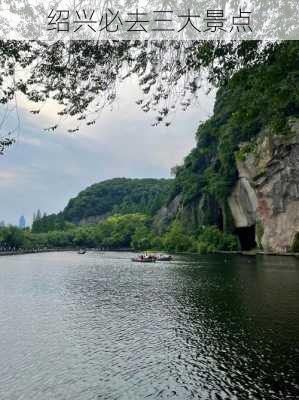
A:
266	194
263	206
243	173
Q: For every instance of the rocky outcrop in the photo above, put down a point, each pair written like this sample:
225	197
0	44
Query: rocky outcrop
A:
264	201
243	204
94	220
167	214
199	212
267	192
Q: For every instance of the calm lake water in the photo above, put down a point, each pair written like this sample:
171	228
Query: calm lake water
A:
98	326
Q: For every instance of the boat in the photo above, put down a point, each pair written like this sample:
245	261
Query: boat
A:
81	251
163	258
144	259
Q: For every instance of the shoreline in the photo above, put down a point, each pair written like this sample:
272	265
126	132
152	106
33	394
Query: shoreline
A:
258	253
240	253
23	252
58	250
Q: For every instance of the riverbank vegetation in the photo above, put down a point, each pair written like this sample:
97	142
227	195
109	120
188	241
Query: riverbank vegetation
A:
129	231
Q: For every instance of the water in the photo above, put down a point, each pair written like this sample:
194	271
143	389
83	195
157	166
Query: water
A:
98	326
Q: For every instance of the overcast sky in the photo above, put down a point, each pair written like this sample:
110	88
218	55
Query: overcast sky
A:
44	170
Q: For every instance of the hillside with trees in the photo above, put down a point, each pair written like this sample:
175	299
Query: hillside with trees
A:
115	196
118	196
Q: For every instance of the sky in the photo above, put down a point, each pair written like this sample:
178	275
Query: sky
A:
45	170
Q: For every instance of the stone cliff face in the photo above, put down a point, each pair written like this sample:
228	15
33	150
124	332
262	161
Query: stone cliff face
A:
266	195
243	203
167	214
256	198
199	212
263	205
94	220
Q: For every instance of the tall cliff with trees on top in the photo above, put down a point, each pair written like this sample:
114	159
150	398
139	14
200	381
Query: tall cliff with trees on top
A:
243	174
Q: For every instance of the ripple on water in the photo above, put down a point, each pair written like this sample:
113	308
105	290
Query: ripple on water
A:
101	327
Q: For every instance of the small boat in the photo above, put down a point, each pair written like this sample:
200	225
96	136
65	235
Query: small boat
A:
164	258
81	251
144	259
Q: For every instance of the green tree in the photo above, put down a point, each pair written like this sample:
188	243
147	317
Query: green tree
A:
142	239
85	237
47	223
118	230
12	237
177	240
212	239
60	239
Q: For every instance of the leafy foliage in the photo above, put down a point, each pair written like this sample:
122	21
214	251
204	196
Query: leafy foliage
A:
11	237
83	77
159	66
130	231
118	231
178	240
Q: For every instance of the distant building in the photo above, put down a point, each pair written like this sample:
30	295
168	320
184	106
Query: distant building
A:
2	224
22	222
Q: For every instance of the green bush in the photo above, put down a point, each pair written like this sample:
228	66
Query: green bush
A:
142	238
121	231
12	237
60	239
177	240
211	239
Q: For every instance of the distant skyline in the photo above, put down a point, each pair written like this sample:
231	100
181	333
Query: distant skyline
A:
44	170
22	222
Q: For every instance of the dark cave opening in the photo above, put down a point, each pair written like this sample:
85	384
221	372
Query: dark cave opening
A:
247	237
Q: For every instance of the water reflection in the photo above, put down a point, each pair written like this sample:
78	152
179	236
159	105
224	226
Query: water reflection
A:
244	323
100	327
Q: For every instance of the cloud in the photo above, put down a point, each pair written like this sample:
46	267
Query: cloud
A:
30	141
44	170
7	179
